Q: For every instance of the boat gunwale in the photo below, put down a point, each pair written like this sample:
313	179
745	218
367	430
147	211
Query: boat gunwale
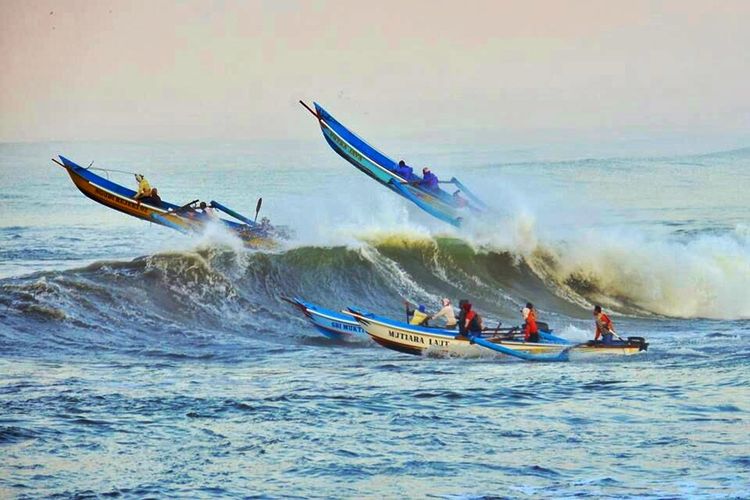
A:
393	176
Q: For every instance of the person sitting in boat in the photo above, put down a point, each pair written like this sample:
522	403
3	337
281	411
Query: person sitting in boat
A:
604	327
405	171
446	312
417	316
206	210
530	328
459	200
152	199
144	188
429	180
470	322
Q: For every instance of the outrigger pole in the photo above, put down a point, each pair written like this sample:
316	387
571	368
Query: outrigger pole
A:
466	191
562	356
229	211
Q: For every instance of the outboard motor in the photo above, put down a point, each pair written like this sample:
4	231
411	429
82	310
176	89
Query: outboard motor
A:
638	341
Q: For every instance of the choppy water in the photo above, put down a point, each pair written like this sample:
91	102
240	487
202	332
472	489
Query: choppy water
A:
142	362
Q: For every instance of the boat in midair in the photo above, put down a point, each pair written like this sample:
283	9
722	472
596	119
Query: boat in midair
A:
187	218
452	208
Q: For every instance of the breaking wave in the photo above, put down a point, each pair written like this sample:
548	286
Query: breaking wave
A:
239	292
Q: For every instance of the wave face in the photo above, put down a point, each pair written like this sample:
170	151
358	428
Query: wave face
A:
239	292
705	276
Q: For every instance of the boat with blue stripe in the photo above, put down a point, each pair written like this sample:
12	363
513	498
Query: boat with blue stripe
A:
411	339
450	208
185	218
332	324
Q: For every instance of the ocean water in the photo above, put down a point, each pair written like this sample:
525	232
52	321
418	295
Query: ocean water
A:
139	362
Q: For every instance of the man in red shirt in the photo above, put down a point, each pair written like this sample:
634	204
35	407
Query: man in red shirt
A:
604	327
530	330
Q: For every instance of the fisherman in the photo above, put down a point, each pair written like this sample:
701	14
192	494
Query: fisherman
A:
446	312
459	200
530	328
429	180
405	171
152	199
604	327
470	323
206	209
419	316
144	188
461	316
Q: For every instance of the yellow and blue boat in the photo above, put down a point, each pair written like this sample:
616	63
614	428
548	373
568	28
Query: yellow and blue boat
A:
450	208
185	218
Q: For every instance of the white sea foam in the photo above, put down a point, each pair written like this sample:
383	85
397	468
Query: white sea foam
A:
573	247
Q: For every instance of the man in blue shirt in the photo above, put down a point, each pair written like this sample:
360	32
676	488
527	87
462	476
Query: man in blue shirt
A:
405	171
429	180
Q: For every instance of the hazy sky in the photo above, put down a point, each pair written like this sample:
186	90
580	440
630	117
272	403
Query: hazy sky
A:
163	70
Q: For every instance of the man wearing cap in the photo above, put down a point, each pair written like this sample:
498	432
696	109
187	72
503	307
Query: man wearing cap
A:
419	316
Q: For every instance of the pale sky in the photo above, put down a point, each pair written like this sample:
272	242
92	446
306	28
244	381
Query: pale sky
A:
190	70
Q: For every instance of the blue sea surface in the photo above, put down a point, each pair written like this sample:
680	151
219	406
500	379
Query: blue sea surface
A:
139	362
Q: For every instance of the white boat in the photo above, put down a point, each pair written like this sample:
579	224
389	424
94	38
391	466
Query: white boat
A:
411	339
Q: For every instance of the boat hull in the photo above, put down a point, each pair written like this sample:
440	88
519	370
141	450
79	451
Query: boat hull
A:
119	198
331	324
419	340
379	167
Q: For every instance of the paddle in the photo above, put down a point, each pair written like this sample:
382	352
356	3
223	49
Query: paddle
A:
257	209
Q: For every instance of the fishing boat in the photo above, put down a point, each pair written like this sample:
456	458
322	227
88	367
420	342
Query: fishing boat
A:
410	339
450	208
332	324
184	218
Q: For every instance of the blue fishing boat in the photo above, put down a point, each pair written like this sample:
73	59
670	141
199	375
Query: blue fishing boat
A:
332	324
184	218
450	208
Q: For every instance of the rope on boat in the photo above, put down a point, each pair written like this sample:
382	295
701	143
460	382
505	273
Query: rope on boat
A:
108	170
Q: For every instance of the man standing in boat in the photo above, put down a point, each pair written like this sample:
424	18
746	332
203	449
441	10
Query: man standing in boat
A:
530	328
470	323
604	327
